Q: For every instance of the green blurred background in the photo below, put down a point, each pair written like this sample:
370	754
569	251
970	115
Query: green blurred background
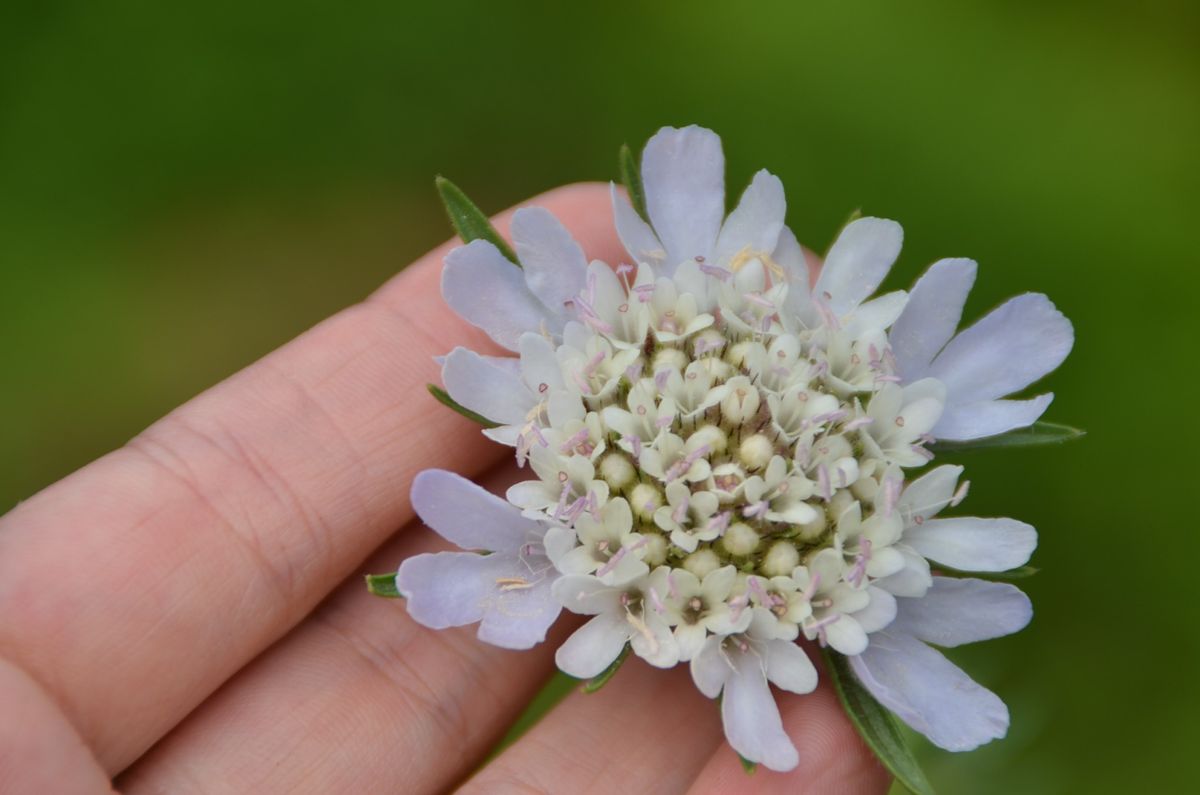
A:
184	186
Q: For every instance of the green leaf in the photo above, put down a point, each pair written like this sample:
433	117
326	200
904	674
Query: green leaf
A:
1032	436
631	178
1022	573
878	727
383	585
601	679
446	400
747	765
469	221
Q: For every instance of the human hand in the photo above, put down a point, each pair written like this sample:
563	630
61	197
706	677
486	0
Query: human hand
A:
185	614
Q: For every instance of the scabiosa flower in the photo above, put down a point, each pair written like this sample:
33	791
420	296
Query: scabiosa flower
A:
723	460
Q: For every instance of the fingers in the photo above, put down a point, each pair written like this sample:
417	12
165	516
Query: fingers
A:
359	698
833	758
39	749
652	731
133	588
648	731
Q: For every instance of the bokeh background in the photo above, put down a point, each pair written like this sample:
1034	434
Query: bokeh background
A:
185	185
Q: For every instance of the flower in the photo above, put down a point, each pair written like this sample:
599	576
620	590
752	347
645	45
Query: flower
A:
508	592
720	457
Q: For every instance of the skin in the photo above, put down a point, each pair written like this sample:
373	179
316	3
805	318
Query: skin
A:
186	614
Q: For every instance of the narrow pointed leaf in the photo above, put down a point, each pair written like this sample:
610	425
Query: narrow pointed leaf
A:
631	178
878	727
1024	572
444	398
1039	433
469	221
601	679
383	585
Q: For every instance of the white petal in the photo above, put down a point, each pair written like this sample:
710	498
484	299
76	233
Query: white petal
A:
913	580
539	365
755	223
585	595
846	636
636	235
875	315
929	494
592	647
857	263
930	693
788	667
989	417
683	173
488	291
466	514
751	717
789	255
957	611
486	387
879	613
973	544
934	309
554	264
503	434
1007	350
709	668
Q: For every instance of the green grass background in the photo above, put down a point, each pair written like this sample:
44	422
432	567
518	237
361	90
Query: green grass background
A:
184	186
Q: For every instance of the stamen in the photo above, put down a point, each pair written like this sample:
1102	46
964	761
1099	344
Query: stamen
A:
960	494
716	271
684	464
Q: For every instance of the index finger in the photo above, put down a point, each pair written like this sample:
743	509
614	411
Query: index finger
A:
133	588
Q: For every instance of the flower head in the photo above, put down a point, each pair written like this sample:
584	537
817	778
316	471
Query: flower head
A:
721	457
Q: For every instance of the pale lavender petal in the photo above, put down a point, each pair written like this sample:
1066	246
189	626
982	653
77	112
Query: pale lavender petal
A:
756	222
636	235
751	718
857	263
708	667
788	667
931	317
483	385
1009	349
930	693
466	514
520	616
989	417
593	647
555	267
957	611
446	589
453	589
972	544
488	291
683	173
